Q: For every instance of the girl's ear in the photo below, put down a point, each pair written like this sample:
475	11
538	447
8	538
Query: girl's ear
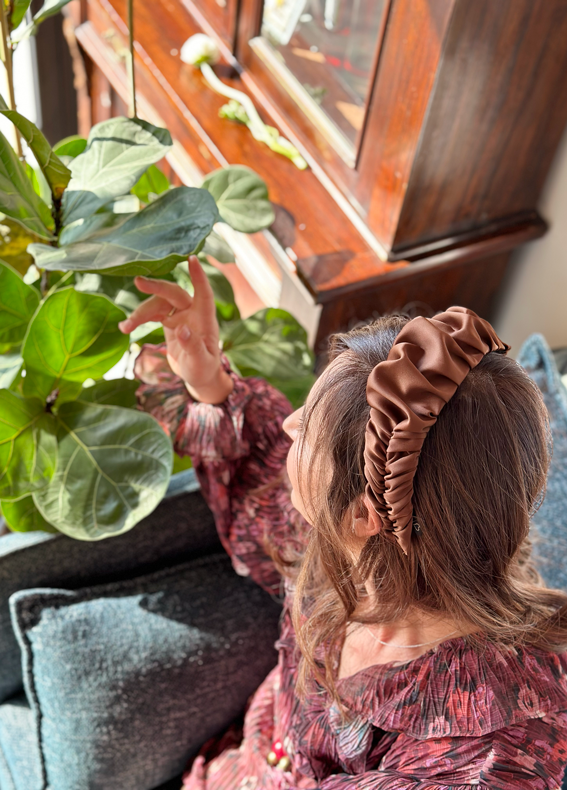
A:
366	523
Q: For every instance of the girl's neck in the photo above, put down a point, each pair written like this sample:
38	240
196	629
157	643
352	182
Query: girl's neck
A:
369	642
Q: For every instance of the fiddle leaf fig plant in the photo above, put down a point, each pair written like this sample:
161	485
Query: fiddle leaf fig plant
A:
76	455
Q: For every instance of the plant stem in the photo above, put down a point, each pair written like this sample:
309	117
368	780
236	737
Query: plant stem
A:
131	75
7	47
57	285
255	123
219	86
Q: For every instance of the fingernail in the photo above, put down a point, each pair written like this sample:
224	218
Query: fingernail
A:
184	333
124	326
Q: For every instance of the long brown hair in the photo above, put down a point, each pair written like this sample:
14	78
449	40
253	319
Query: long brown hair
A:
481	475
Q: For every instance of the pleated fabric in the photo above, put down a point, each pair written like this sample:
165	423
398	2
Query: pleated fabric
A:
429	359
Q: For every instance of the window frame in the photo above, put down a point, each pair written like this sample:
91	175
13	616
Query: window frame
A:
320	135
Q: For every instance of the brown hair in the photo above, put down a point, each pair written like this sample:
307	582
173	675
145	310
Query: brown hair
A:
480	477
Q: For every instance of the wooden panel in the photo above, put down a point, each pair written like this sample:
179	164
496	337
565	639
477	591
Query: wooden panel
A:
496	117
101	91
328	271
55	73
221	14
419	292
406	74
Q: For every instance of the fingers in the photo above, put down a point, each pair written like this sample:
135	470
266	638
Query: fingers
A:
168	297
153	309
175	294
203	296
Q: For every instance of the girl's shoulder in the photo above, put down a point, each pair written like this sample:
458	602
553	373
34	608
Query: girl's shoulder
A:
461	688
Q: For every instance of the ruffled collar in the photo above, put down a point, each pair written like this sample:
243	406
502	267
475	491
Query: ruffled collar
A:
459	689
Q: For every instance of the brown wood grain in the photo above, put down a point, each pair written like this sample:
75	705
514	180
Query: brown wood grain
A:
465	114
221	14
406	75
495	119
419	292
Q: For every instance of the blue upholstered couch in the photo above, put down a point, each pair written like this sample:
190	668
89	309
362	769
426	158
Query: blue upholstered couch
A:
108	650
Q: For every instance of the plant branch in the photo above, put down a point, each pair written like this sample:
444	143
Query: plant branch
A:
261	132
57	285
7	53
256	123
131	74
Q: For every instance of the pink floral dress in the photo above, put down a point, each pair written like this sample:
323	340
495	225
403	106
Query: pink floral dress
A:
456	717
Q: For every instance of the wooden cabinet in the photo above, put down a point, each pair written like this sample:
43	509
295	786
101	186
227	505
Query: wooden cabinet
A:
429	127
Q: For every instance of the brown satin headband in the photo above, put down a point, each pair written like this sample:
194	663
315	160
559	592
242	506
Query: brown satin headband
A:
429	359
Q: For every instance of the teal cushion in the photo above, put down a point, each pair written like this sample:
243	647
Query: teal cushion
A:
128	680
20	760
20	765
549	533
180	528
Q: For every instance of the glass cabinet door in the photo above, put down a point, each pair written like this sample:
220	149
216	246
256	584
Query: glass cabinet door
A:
326	51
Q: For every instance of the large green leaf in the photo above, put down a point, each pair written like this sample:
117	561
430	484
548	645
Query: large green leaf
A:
70	146
150	184
55	172
220	250
14	242
150	332
91	227
23	516
151	242
116	392
296	390
28	450
118	152
72	337
242	198
10	367
18	199
18	302
113	469
273	345
121	290
19	8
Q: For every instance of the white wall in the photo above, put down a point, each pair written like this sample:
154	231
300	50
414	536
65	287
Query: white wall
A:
536	295
26	89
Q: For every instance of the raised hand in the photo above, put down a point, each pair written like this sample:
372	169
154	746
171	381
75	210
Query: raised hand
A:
191	331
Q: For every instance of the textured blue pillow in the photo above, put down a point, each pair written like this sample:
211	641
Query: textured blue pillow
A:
128	680
549	533
20	763
180	528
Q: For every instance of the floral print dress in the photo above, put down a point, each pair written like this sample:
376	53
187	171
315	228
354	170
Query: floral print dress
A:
456	717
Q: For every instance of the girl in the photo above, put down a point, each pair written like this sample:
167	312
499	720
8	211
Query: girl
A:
418	650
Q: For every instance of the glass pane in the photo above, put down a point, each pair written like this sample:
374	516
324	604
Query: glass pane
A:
329	46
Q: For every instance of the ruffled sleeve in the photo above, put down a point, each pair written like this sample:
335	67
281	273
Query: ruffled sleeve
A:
530	756
238	449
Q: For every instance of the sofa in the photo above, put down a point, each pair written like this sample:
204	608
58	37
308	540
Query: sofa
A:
109	650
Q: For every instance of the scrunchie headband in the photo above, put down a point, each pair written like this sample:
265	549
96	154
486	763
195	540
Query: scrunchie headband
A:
429	359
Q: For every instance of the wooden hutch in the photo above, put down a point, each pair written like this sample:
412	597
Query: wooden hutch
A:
429	127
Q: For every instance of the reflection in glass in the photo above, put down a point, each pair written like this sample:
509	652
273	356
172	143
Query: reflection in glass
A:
329	46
